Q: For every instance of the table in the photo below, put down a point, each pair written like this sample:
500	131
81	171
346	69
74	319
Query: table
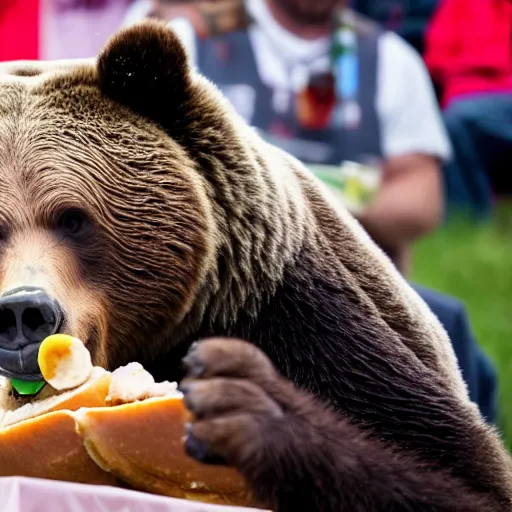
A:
19	494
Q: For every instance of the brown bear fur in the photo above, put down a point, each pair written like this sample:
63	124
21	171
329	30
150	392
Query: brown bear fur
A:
191	226
297	454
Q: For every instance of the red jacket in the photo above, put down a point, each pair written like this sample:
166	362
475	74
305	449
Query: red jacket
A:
469	47
19	29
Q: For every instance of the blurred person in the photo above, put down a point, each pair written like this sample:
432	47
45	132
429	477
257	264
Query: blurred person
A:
19	29
469	55
266	62
62	29
282	76
477	369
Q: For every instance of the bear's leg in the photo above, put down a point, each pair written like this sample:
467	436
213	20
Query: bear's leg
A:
295	453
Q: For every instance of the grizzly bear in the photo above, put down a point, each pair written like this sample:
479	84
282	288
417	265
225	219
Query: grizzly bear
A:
139	213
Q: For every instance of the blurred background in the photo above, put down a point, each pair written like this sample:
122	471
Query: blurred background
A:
402	107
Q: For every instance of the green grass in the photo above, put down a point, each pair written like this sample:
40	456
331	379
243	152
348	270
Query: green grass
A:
474	263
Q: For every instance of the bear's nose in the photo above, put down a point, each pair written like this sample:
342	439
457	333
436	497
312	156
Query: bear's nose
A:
27	316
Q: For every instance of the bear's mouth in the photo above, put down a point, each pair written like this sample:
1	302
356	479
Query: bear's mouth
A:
21	363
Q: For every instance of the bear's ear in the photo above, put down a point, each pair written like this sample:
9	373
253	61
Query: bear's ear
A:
145	67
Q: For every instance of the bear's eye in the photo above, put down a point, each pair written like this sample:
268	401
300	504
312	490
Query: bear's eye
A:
3	233
72	222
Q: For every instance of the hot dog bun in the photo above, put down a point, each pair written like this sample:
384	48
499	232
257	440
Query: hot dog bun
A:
117	428
112	436
50	447
39	439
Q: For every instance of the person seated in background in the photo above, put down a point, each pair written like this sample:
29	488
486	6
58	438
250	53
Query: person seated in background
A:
477	369
280	75
269	61
469	55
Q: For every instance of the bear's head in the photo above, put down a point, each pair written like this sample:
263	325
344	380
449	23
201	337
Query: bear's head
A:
111	214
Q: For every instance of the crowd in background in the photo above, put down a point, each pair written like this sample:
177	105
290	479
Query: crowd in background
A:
411	99
465	43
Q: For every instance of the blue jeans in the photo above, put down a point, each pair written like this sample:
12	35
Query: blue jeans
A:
480	129
477	369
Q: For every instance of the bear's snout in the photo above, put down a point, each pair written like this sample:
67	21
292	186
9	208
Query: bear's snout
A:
27	316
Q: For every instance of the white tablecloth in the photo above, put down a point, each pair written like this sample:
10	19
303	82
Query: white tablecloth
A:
34	495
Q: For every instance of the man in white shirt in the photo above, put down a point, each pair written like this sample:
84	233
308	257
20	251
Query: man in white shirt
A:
291	41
